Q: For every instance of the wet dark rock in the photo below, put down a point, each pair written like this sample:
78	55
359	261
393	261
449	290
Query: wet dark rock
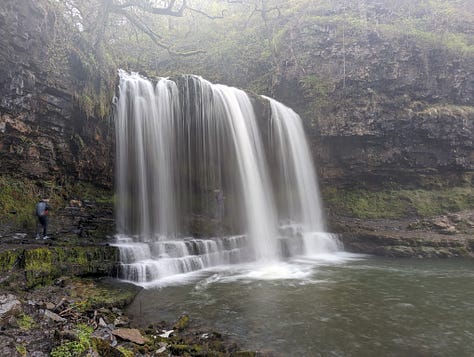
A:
40	122
406	246
7	346
67	335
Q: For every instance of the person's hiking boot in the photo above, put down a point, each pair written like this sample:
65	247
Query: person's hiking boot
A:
46	237
38	236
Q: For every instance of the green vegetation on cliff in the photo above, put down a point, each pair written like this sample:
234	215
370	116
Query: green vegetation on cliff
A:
19	195
92	69
398	203
260	40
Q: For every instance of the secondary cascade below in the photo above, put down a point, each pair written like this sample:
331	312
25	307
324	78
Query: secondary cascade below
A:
207	175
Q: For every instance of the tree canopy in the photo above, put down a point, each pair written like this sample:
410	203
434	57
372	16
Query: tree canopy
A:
247	42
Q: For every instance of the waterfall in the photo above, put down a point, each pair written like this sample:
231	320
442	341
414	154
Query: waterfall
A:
203	181
302	200
145	126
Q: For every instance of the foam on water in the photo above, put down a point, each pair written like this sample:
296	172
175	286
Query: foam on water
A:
340	257
299	269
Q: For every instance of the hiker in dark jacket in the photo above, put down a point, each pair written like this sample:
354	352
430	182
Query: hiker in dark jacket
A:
42	211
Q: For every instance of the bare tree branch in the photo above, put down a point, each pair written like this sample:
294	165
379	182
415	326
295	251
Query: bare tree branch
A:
141	26
157	39
169	11
262	10
94	16
221	16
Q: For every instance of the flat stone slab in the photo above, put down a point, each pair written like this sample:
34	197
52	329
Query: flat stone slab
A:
129	334
53	316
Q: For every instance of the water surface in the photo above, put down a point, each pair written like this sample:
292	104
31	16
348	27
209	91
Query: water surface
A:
336	306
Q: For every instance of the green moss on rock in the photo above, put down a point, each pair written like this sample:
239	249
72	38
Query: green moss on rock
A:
111	295
398	203
26	322
10	259
39	269
182	323
41	265
17	199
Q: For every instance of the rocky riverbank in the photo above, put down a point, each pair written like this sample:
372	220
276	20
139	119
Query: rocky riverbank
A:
50	305
83	317
444	236
56	298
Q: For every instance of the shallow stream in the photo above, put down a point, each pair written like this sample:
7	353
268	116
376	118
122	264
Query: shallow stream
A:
337	305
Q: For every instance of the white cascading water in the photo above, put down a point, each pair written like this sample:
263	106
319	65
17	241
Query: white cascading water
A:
253	171
145	125
202	181
299	178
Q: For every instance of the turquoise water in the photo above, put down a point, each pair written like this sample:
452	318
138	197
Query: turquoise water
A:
346	306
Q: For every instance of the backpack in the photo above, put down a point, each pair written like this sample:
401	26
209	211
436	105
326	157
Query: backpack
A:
41	209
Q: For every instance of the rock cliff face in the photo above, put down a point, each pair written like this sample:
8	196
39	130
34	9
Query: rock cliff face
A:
44	134
381	109
385	110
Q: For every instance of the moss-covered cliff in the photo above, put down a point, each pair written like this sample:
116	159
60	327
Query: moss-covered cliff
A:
389	105
50	127
41	264
385	89
56	137
381	107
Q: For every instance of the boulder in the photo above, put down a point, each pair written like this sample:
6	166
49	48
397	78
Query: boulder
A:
441	222
53	316
9	306
129	334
